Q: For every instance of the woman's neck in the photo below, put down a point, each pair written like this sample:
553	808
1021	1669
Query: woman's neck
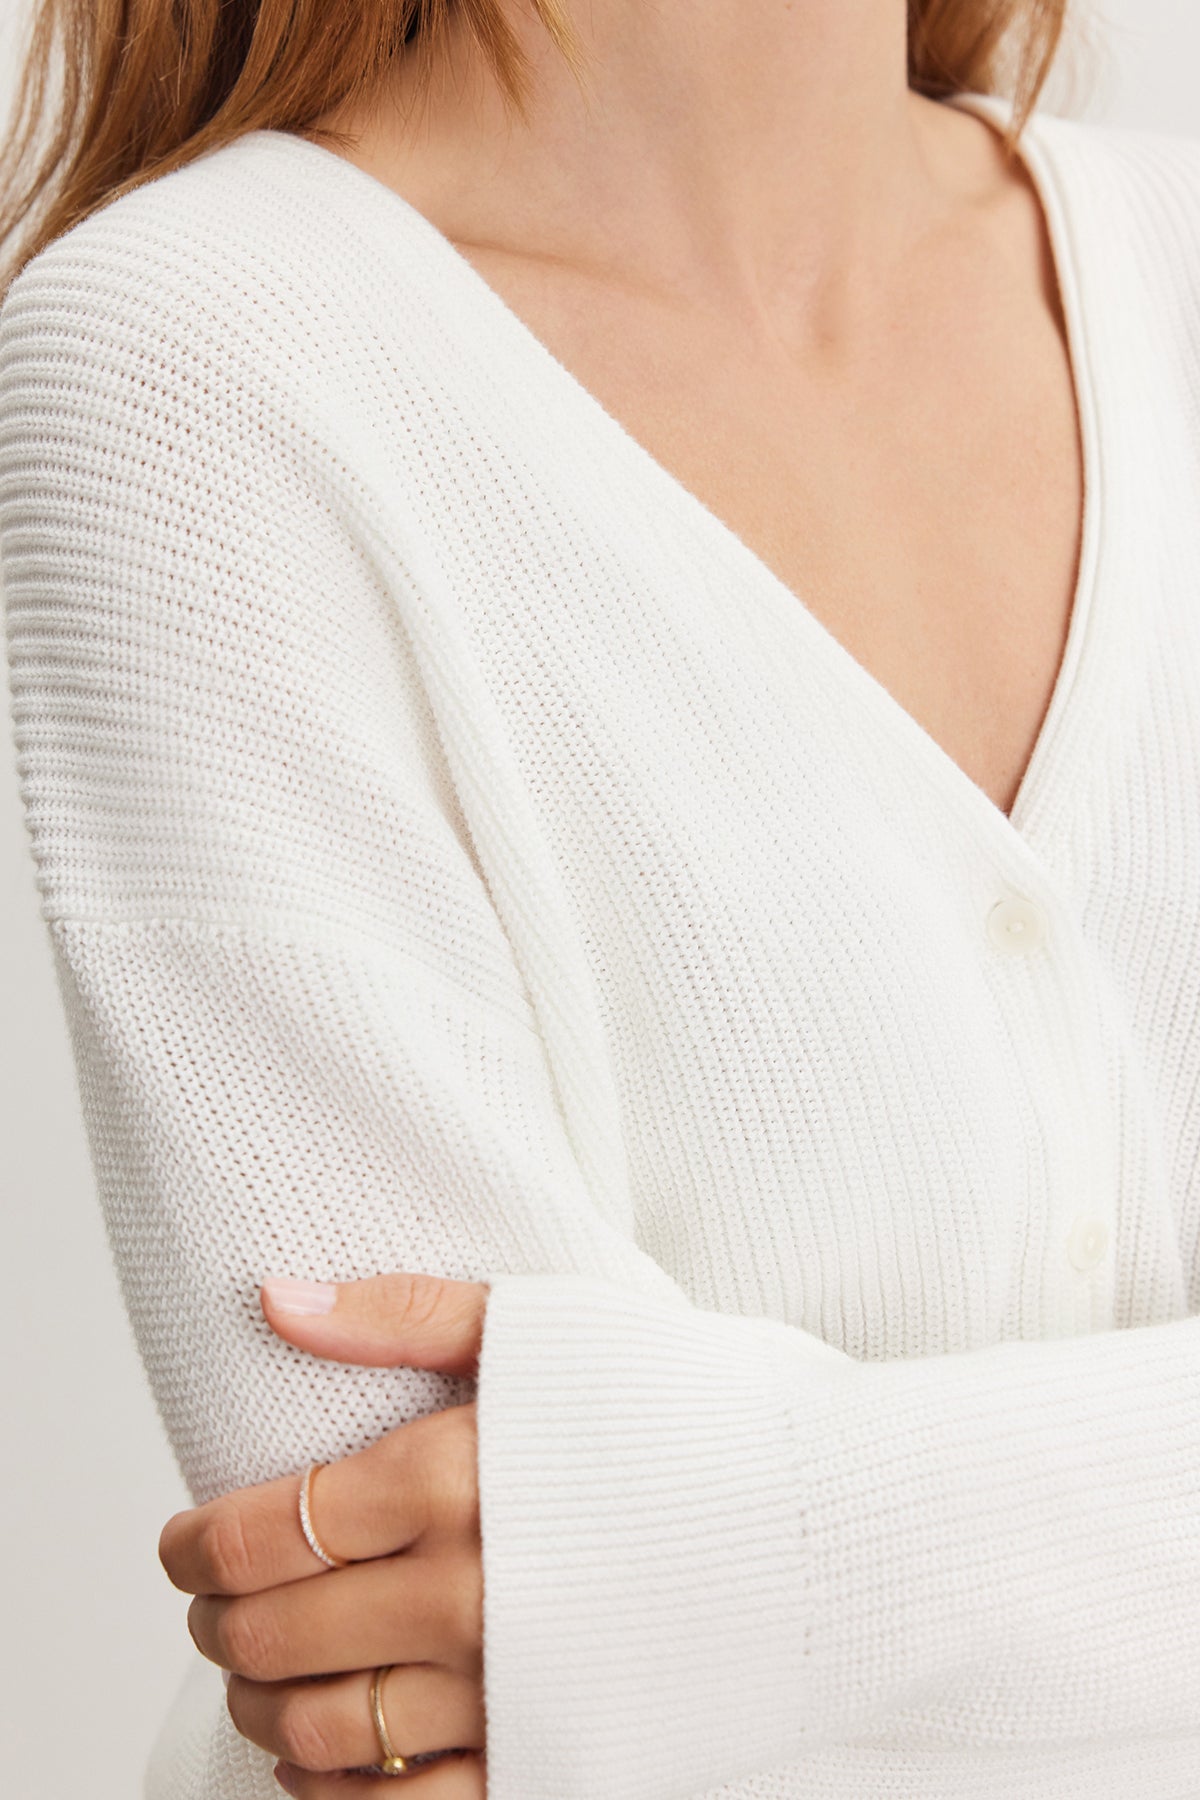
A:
769	159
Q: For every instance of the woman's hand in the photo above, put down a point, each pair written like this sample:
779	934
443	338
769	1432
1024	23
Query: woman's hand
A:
404	1513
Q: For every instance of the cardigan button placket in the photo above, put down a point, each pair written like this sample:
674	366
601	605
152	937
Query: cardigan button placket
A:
1087	1243
1017	925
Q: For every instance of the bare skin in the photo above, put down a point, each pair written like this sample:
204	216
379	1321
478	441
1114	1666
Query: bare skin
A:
827	306
857	361
403	1515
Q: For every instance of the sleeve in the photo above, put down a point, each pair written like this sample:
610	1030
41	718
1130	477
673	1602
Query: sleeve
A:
712	1544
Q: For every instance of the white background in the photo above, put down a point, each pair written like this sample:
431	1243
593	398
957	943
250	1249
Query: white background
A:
94	1641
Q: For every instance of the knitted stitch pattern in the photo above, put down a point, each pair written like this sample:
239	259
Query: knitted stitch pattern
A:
461	853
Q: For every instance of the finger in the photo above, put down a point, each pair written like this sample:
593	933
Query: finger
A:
416	1607
420	1321
451	1778
328	1724
374	1503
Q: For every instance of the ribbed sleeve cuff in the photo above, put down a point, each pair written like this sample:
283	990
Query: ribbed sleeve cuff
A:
714	1545
645	1585
1004	1544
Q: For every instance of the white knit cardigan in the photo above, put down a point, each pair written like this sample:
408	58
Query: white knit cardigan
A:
461	853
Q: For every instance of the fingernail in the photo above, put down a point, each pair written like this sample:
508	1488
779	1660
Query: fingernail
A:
300	1296
283	1776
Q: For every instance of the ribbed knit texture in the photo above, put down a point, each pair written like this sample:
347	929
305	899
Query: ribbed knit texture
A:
462	853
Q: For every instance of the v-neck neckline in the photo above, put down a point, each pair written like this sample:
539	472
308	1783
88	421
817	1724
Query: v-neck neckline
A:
531	361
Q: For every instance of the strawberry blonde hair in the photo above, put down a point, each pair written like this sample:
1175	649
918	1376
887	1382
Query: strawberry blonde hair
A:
146	85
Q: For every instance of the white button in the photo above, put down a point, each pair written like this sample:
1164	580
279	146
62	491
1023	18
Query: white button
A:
1017	925
1087	1243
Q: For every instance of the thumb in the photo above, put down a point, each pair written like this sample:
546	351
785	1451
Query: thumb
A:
421	1321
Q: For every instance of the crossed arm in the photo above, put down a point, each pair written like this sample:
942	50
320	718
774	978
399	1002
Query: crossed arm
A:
711	1545
403	1515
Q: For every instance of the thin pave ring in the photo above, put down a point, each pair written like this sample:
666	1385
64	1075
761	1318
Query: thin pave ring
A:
393	1763
306	1524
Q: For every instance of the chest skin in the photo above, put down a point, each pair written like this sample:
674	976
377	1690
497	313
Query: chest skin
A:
792	1060
921	492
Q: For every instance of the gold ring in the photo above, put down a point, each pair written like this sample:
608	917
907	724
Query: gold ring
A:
306	1524
392	1764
